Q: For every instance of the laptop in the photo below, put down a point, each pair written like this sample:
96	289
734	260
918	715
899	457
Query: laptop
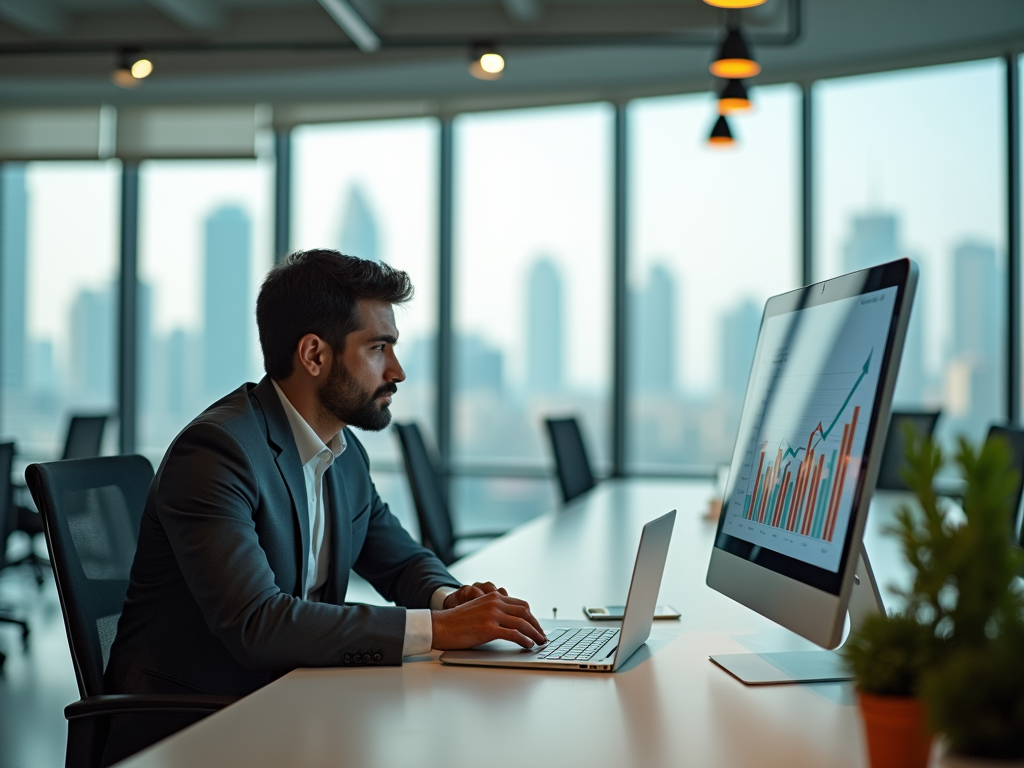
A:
591	649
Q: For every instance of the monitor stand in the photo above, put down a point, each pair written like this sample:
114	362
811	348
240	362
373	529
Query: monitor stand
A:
808	666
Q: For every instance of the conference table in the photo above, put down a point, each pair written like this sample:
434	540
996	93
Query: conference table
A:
669	705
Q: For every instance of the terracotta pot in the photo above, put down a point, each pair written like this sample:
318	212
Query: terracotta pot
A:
895	729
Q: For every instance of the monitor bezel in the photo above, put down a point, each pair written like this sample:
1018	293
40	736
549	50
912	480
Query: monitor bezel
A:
900	274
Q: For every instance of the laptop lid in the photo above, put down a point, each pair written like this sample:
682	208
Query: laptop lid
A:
644	587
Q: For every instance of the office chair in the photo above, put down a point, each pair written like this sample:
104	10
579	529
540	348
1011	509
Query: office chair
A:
436	530
890	473
574	474
91	510
83	441
8	615
1014	438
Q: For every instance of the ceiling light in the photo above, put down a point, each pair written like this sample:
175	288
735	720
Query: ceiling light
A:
721	136
486	63
131	69
142	68
734	60
735	3
734	98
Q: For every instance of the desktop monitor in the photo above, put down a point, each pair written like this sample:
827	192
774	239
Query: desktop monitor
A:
810	443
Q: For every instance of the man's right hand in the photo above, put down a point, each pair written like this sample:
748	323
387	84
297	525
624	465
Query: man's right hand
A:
492	616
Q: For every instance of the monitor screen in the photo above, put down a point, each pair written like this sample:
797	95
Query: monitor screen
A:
808	415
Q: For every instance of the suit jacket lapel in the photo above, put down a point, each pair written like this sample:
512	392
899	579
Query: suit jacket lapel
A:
279	436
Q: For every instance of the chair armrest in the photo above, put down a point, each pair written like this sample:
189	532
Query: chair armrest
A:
130	703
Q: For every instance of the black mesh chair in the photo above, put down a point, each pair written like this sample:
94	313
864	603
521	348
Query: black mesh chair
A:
574	474
436	530
8	615
84	440
91	510
1014	438
890	474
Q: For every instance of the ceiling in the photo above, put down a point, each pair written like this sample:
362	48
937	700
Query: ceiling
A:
292	54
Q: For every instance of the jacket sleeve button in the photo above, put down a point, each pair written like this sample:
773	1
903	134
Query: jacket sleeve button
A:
348	658
366	658
376	657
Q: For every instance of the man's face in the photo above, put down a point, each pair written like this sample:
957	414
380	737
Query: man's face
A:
365	375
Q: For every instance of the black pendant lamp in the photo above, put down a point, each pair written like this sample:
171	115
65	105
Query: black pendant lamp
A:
721	136
734	60
734	98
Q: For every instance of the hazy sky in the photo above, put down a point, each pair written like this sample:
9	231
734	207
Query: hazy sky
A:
925	144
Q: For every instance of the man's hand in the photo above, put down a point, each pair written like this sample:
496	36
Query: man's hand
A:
470	592
477	616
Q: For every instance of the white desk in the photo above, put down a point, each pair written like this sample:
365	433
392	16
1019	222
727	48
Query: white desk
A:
669	706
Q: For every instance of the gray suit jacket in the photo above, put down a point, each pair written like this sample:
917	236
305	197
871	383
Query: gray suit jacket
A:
214	600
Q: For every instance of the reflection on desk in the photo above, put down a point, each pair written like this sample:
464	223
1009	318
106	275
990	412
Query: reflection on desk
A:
669	706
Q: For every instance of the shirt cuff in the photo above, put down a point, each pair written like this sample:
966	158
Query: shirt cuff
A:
419	634
440	595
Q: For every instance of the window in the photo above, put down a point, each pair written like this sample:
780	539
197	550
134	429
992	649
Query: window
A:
204	246
532	285
712	234
370	190
913	163
59	271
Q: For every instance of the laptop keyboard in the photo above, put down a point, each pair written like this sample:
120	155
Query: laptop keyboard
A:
576	644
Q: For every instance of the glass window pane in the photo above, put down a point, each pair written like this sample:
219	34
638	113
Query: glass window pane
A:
912	163
204	247
712	234
370	190
532	293
59	289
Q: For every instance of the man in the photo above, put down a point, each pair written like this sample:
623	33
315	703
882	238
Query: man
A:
264	503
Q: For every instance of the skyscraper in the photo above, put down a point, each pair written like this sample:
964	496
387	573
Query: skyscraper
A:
91	363
544	328
228	311
13	256
875	240
359	233
738	342
976	330
653	333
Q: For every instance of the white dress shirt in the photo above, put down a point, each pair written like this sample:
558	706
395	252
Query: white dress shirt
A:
316	457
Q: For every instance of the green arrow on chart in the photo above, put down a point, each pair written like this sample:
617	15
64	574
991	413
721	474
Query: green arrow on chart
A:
791	451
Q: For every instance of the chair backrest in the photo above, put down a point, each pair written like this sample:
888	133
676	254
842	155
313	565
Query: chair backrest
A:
91	512
1014	437
890	474
436	530
574	473
85	437
8	520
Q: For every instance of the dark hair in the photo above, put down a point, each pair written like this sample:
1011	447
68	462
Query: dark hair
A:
316	292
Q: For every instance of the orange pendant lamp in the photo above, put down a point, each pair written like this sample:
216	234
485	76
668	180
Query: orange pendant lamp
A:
721	136
734	98
734	60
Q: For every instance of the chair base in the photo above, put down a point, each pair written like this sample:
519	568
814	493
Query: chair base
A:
39	565
7	618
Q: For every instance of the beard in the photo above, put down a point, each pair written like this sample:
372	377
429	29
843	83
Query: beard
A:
343	398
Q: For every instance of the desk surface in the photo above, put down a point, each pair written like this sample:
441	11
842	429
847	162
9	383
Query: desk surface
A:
669	706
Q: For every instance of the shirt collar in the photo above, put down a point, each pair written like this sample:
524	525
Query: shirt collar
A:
306	440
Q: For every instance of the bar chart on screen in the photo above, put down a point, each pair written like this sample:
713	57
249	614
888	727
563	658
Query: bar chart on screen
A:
803	433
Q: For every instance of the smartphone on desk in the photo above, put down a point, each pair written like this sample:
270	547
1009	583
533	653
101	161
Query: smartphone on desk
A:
614	612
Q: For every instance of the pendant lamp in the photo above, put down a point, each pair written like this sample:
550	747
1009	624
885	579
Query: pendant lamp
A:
721	136
734	60
734	98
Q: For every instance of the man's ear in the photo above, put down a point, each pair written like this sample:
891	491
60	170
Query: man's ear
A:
314	355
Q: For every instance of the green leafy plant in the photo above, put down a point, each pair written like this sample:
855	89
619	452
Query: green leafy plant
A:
889	654
965	600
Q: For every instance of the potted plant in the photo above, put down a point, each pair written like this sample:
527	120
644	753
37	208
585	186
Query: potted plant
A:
967	584
954	656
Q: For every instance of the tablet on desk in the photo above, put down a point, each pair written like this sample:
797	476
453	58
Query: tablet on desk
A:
614	612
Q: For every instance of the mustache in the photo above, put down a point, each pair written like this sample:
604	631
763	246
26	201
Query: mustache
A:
387	389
